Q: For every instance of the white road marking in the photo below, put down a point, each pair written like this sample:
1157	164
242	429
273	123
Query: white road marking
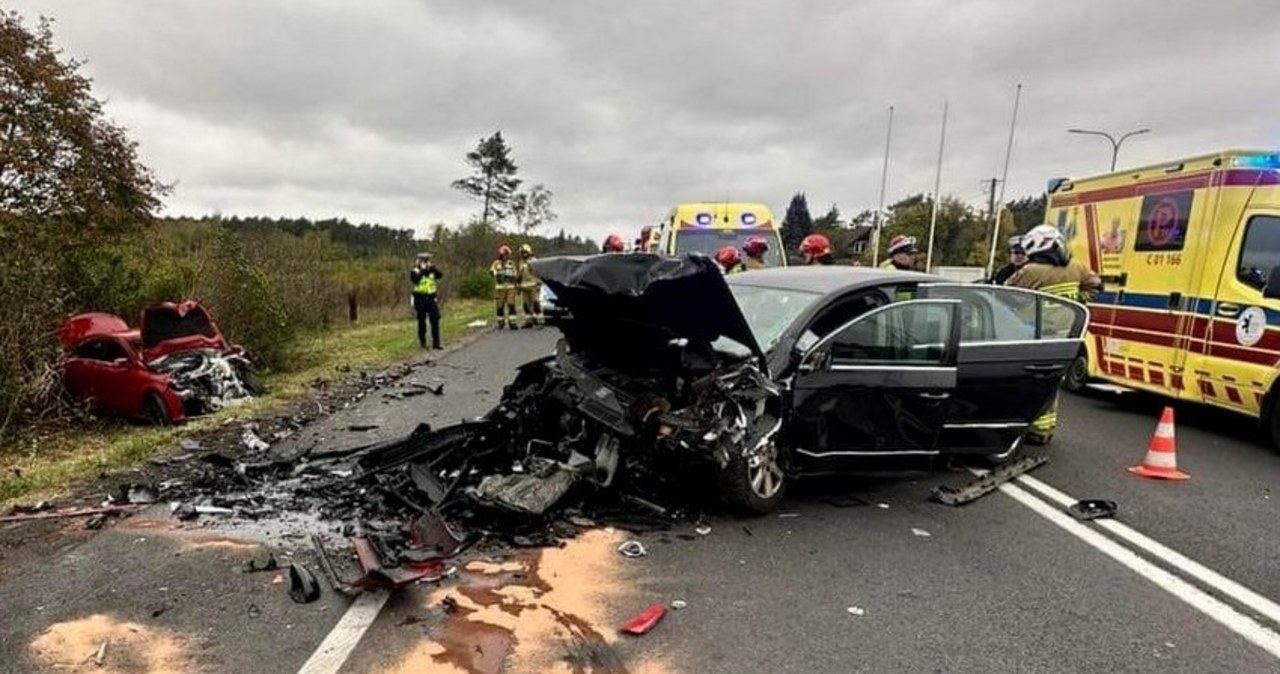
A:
1193	596
332	653
1263	606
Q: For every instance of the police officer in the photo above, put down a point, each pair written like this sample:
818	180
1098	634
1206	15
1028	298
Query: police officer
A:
425	277
1017	258
505	278
1050	269
902	254
528	285
729	260
755	248
816	249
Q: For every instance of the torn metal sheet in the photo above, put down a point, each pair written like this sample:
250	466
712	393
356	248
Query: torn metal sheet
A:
529	494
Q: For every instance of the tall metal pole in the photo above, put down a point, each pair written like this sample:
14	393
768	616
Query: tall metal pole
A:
884	181
1115	142
1004	180
937	187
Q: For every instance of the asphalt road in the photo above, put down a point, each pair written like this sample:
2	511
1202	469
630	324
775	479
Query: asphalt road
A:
897	584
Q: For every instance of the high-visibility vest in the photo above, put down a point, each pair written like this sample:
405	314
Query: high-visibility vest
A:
426	283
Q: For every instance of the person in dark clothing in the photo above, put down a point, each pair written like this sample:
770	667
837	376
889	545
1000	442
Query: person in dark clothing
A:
1017	258
425	279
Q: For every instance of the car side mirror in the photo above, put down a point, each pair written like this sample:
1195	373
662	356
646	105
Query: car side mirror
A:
1272	289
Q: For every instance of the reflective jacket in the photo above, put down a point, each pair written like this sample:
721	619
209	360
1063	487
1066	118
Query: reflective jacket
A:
505	274
752	263
1071	281
424	281
524	272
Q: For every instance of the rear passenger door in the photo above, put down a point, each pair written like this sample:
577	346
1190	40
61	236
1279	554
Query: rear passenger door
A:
1015	346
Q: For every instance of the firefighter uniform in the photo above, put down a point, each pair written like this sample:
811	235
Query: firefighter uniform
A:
751	263
505	280
528	286
1071	281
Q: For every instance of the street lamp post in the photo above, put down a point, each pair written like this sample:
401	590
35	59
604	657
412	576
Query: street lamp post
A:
1115	144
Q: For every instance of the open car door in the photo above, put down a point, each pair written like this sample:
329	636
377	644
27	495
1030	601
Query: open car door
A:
1015	347
878	385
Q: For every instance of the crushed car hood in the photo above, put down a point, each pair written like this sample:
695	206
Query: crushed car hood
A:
681	297
178	326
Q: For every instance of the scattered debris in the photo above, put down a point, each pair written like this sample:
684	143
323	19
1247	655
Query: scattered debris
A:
1092	509
38	507
856	610
303	588
359	428
96	522
252	442
254	566
632	549
140	494
185	512
100	656
449	605
787	515
882	506
644	622
189	445
986	483
254	611
478	323
679	604
920	532
45	514
703	531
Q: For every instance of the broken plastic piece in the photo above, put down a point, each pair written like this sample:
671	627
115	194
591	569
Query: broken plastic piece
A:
646	620
920	532
528	494
449	605
303	587
632	549
856	610
476	324
987	483
679	604
1092	509
254	443
703	531
140	494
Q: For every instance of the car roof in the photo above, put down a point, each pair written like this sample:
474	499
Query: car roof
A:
825	280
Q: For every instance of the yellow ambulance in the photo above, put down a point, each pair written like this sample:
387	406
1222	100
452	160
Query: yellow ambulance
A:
707	227
1187	251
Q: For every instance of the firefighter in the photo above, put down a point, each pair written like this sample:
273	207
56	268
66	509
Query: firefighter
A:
902	253
505	278
729	260
816	249
529	286
1017	258
613	244
1050	269
425	277
755	248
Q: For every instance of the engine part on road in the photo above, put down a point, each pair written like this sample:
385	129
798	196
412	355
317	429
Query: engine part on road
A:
987	483
1092	509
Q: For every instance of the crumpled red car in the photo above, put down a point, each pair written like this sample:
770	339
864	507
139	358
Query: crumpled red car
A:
175	365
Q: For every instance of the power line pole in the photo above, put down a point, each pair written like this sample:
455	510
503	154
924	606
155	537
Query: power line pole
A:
991	203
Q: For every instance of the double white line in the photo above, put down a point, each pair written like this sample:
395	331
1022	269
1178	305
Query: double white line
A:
1248	626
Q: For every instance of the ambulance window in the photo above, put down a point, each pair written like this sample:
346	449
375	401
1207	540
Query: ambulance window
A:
1261	250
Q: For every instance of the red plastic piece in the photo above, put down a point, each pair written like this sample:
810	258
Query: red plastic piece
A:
646	620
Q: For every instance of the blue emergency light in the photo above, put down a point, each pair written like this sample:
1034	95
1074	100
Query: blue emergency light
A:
1262	161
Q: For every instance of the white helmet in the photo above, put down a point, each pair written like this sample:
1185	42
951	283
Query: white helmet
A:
1041	239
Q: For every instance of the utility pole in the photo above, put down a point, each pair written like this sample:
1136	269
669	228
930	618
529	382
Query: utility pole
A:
991	203
884	181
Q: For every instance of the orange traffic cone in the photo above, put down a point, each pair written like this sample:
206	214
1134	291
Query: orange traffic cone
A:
1161	461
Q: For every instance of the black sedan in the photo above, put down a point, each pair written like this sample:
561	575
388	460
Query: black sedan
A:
773	374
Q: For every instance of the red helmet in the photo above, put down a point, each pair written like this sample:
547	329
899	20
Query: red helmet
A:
728	257
756	246
815	245
504	251
614	244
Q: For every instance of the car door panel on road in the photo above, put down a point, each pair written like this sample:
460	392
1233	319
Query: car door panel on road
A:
1014	348
877	385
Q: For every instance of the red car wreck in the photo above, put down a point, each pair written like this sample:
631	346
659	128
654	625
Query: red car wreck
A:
176	364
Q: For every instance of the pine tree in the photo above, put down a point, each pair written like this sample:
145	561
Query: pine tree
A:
494	182
797	223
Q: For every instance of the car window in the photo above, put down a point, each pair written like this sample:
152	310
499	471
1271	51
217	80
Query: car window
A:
102	349
770	311
1260	251
901	334
997	314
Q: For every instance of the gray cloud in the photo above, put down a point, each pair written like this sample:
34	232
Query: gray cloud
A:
365	109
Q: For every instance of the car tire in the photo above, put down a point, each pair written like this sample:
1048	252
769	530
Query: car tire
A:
1077	376
251	382
756	486
157	412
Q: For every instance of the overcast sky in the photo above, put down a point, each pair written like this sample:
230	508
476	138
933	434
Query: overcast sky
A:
623	109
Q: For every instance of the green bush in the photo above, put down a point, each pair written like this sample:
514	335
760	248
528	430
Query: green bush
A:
478	285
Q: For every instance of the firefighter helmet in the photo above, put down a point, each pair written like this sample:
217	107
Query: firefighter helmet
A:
1041	239
728	257
756	246
813	246
504	252
613	244
902	244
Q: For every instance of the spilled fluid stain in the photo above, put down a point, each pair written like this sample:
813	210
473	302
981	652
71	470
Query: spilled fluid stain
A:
543	611
130	648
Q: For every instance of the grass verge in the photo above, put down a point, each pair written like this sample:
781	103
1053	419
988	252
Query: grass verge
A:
45	463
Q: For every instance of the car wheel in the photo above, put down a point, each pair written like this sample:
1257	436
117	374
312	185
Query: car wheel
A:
755	485
157	411
1077	376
